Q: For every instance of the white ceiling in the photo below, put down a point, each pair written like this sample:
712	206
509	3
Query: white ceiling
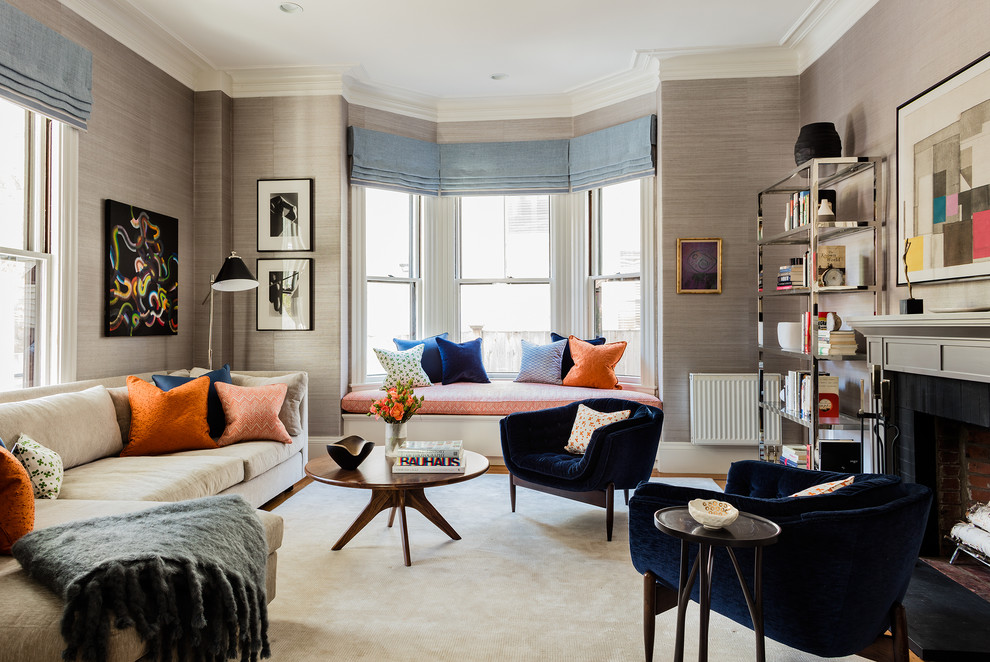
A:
446	50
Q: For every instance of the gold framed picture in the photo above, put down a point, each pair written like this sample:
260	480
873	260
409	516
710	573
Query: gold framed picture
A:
699	266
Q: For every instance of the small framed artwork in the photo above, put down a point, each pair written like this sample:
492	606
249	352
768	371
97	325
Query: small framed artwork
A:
285	214
141	276
699	266
943	179
285	294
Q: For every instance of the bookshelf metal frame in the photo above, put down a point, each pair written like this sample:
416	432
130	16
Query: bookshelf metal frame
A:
811	177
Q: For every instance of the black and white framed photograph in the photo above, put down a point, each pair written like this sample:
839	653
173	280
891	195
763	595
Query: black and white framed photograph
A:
285	214
285	294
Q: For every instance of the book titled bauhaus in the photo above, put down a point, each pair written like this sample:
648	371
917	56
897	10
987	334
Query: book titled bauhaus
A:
428	464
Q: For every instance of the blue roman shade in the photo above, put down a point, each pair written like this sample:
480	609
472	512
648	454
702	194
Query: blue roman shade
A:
609	156
42	70
530	167
616	154
393	162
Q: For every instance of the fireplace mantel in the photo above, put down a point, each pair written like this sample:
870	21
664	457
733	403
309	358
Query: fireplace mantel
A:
950	345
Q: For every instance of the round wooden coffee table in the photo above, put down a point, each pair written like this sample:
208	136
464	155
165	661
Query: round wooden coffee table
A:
393	491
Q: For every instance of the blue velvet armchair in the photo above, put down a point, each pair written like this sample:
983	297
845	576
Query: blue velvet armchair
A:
619	456
833	582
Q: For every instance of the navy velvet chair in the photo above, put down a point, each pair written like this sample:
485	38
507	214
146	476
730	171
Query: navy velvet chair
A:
619	456
833	582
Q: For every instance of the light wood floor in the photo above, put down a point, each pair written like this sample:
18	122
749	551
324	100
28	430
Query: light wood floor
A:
501	470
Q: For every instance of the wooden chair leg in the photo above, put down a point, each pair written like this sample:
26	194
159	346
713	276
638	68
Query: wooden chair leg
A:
609	510
512	493
891	647
649	613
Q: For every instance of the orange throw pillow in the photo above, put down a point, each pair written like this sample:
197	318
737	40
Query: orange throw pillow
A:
594	365
252	413
167	421
16	501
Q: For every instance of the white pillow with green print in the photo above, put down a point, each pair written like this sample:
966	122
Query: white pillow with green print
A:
44	466
402	366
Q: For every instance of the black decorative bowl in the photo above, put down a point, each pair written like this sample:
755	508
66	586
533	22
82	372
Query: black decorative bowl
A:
349	452
816	141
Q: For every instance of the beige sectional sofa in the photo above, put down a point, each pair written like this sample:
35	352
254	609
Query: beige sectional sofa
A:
87	423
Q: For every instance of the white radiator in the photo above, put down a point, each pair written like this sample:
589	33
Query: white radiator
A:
724	411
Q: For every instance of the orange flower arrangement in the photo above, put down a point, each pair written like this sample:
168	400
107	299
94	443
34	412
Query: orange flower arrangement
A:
398	405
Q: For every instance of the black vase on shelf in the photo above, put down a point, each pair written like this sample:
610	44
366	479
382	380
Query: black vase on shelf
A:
817	141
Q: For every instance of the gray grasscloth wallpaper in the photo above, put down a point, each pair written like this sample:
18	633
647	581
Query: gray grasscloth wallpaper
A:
898	50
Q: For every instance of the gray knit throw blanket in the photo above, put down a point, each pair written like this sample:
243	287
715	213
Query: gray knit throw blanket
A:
189	576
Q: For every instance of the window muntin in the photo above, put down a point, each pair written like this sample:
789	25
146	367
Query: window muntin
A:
391	226
616	220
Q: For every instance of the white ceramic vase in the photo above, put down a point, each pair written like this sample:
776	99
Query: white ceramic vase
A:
395	436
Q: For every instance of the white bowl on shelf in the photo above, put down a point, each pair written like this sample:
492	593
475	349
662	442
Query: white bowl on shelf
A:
712	513
789	335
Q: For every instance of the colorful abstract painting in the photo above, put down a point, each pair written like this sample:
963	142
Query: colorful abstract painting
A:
943	179
142	272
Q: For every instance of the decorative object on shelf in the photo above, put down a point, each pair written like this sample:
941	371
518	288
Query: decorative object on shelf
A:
396	408
234	276
350	451
831	266
789	335
712	513
943	176
825	213
816	141
286	303
285	214
699	266
910	306
142	272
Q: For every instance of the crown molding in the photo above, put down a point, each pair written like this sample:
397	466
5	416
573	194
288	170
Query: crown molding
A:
729	62
821	26
123	22
288	81
807	39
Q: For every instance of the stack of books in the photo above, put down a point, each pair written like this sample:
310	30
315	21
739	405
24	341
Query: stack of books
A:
794	456
792	275
429	457
842	342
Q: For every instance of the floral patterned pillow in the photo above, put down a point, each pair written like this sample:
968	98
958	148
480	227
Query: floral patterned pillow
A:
586	422
824	488
403	366
44	467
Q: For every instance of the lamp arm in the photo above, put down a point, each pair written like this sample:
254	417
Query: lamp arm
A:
209	354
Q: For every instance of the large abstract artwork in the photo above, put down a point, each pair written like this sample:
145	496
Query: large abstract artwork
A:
943	179
142	272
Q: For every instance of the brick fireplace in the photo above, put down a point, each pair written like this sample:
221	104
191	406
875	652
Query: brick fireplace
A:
944	443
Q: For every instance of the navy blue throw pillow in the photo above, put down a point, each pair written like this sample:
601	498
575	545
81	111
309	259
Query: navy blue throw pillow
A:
567	362
214	410
462	361
431	354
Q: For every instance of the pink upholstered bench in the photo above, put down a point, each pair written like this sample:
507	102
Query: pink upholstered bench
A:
471	411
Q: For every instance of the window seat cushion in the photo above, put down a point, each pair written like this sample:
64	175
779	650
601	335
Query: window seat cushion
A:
497	398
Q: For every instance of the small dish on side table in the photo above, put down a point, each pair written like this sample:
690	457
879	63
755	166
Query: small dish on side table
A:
712	513
350	451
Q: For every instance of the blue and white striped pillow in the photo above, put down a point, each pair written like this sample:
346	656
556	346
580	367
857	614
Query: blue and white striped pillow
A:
541	363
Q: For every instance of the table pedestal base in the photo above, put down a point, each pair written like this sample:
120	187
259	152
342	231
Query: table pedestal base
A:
397	500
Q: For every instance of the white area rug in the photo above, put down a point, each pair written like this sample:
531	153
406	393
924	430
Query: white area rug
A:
540	584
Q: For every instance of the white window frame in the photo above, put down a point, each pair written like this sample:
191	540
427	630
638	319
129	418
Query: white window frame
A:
571	280
55	346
